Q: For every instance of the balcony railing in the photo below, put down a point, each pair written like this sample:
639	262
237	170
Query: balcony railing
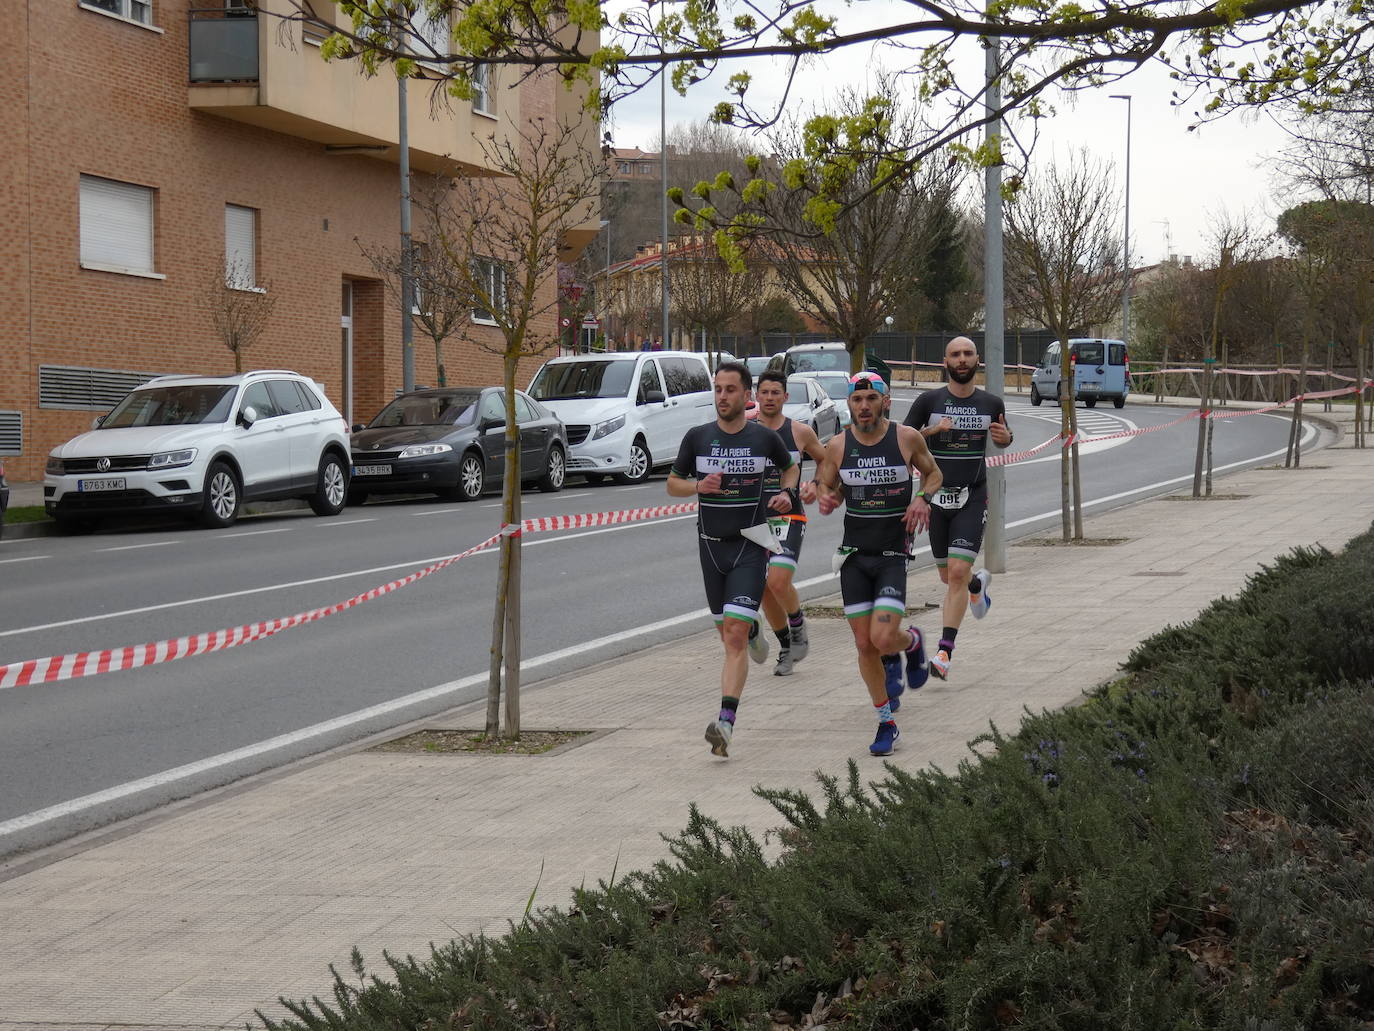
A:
224	45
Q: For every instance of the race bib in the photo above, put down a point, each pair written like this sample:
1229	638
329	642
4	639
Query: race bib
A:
779	526
951	499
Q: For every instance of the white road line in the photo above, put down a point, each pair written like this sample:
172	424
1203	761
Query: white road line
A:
135	547
254	533
412	564
343	522
214	762
26	558
436	511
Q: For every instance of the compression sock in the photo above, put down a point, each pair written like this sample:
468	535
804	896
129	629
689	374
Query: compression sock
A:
884	712
795	619
947	636
915	644
784	637
728	707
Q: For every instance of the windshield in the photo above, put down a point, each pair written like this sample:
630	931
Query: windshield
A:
813	361
567	380
451	409
796	391
837	386
172	406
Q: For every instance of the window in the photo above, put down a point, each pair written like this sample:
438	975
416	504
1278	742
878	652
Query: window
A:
491	283
483	99
287	397
431	35
524	411
140	11
624	168
494	407
256	395
648	380
116	226
240	247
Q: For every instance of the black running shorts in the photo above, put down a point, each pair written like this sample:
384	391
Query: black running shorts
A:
734	572
870	582
959	534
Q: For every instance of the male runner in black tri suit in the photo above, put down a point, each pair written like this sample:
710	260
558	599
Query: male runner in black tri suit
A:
723	464
957	421
781	604
869	467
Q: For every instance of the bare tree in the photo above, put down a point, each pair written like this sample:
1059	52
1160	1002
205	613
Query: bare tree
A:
1064	272
239	308
706	292
502	235
441	305
848	267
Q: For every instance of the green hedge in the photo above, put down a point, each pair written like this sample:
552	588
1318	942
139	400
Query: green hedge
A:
1189	849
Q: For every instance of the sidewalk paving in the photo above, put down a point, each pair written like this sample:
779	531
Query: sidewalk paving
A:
195	916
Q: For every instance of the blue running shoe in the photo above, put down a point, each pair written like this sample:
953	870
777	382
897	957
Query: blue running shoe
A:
886	739
917	669
892	675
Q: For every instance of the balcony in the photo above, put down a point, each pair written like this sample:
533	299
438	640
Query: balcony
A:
224	45
255	69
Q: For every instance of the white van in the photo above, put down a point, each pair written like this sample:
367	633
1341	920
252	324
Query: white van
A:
626	412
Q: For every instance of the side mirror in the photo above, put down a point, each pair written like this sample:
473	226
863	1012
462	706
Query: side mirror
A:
248	416
358	427
97	421
654	397
489	422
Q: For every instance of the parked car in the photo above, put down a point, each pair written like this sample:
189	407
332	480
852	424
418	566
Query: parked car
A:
757	363
4	498
451	441
807	402
625	412
829	357
1101	369
836	386
203	445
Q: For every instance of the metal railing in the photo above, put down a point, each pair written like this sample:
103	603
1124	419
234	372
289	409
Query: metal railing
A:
223	45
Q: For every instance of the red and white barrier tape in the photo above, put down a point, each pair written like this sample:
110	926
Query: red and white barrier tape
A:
89	664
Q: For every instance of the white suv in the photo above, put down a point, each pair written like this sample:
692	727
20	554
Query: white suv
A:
204	445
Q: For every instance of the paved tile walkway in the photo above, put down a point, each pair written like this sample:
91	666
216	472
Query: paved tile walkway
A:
196	917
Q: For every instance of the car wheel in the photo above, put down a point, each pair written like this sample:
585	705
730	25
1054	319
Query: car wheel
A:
331	490
1091	402
1119	402
555	472
472	478
222	496
641	464
358	497
1035	396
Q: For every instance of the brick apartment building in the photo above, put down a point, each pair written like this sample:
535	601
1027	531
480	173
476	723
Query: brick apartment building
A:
143	143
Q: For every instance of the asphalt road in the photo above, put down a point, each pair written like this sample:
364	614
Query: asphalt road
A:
79	754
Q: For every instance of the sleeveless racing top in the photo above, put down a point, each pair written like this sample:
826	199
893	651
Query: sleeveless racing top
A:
772	478
742	459
876	482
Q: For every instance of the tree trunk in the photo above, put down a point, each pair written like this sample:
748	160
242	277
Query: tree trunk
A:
505	651
513	649
1069	454
1296	439
1077	492
1359	393
1203	420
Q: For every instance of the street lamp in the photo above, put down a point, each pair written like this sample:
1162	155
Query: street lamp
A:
1126	244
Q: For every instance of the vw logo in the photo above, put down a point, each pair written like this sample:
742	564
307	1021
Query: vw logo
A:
102	465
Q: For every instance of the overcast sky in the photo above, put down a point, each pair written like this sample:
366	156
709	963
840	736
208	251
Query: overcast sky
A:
1180	180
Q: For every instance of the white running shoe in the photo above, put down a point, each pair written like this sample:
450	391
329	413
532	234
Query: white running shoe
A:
758	646
979	603
801	642
718	734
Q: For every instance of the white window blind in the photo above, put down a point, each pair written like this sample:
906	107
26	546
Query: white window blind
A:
116	225
240	247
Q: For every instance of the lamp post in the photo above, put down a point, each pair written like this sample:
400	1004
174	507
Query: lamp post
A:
1126	244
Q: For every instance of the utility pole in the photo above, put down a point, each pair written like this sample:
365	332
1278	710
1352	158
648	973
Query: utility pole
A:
995	538
407	254
1126	243
663	191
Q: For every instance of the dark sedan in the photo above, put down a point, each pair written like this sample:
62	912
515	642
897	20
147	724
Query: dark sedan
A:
451	441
